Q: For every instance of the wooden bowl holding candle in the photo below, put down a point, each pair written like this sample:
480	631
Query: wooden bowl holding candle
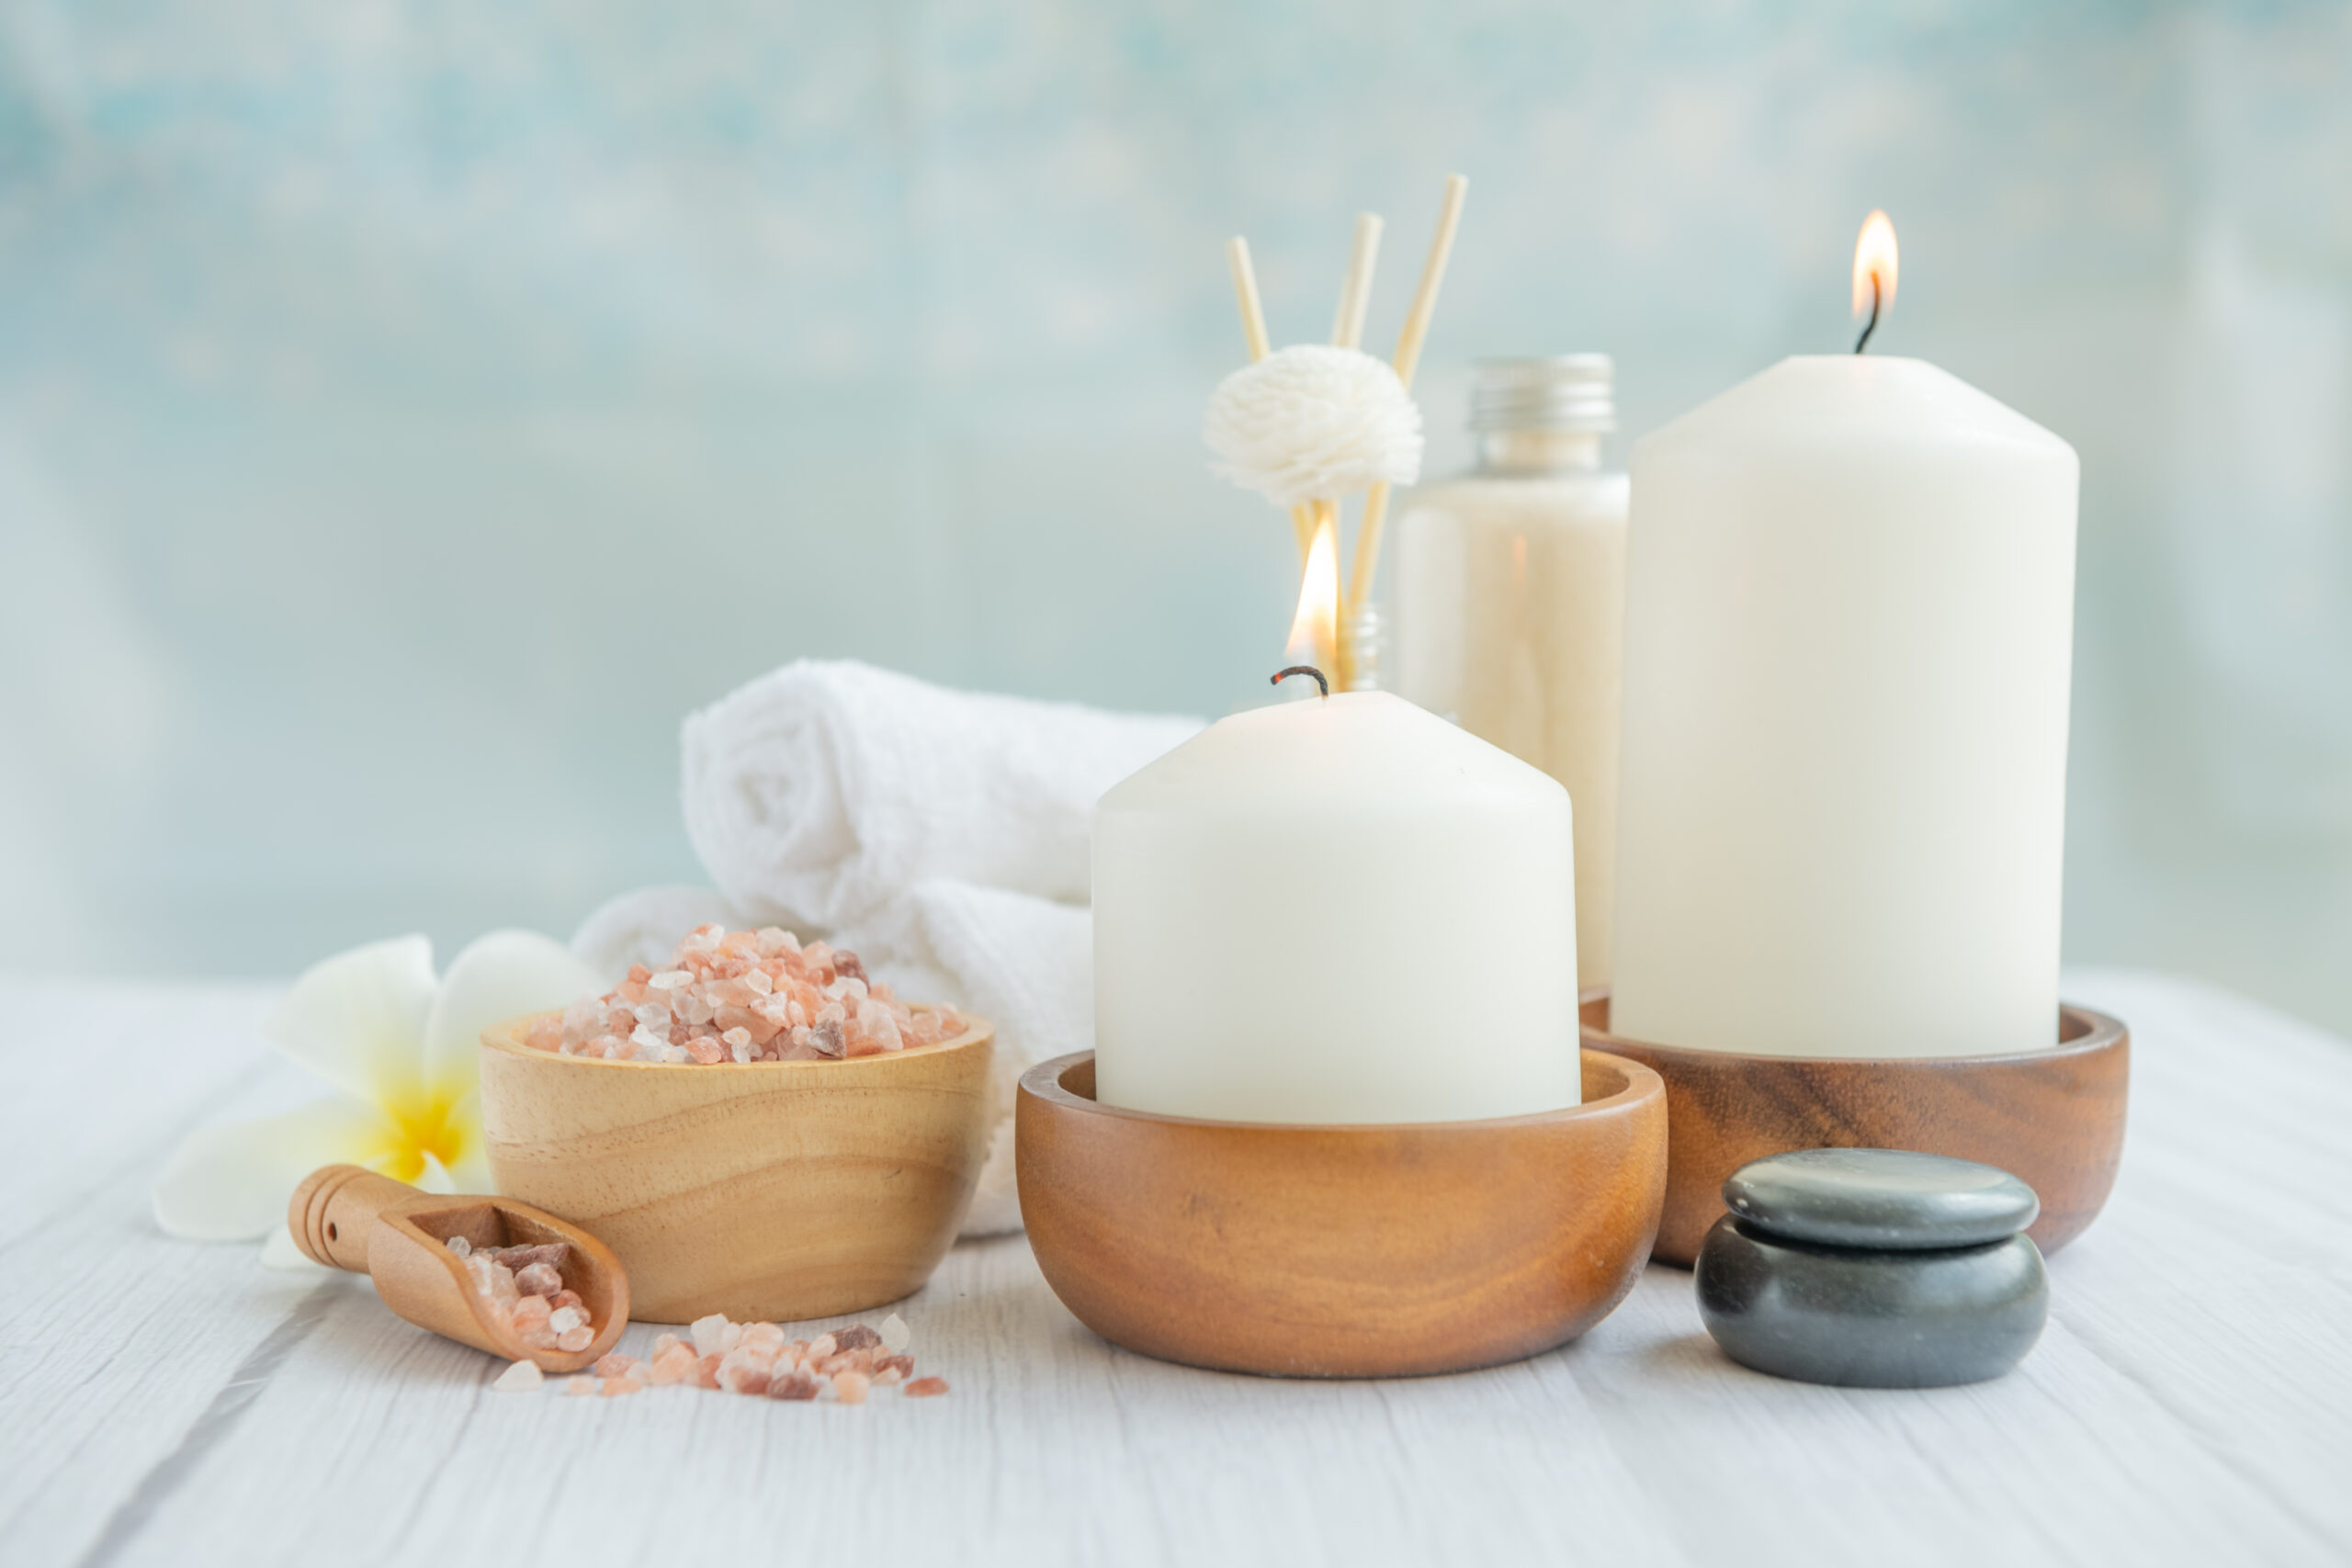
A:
1348	1251
774	1190
2053	1118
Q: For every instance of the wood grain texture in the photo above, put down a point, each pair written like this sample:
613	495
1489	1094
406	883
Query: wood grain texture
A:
352	1219
762	1189
1340	1251
2055	1118
165	1404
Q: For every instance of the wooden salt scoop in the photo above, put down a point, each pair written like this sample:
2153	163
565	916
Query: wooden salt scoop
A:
350	1218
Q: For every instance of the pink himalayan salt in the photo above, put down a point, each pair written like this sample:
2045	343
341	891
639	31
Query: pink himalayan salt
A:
846	1365
520	1377
675	1364
744	997
524	1286
539	1280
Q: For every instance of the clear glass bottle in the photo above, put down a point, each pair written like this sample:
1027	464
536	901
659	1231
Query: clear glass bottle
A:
1511	600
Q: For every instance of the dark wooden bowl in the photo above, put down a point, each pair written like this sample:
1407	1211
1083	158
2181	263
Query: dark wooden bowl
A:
1360	1251
2054	1117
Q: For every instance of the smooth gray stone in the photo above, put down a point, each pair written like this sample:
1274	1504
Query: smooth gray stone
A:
1881	1198
1908	1319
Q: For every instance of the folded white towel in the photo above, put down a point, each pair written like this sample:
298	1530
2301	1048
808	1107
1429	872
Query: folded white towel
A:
1024	963
825	789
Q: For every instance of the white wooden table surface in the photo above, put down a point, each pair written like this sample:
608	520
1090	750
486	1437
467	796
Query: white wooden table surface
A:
167	1403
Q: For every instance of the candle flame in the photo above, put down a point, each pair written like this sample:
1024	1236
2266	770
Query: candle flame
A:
1314	630
1874	258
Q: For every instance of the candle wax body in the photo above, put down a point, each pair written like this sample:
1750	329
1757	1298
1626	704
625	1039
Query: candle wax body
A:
1848	629
1510	621
1335	911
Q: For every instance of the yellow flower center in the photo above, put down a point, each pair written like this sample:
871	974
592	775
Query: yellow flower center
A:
422	1124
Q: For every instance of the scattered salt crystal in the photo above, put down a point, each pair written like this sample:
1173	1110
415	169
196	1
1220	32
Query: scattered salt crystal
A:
760	981
707	1332
673	1364
521	1376
754	1358
670	980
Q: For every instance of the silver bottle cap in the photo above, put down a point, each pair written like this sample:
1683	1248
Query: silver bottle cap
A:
1563	392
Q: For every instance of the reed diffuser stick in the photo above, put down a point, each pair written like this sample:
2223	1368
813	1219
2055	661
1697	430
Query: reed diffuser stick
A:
1355	294
1245	291
1253	332
1347	332
1408	359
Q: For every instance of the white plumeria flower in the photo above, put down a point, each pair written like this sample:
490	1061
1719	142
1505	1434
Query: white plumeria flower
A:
399	1048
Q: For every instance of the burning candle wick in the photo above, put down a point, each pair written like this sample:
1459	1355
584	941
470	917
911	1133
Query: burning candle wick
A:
1871	326
1302	670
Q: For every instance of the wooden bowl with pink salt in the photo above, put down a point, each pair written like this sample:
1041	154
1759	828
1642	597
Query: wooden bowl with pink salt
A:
798	1146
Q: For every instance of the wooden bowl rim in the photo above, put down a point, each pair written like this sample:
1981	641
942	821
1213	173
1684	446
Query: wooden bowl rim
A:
2095	1031
1640	1083
508	1037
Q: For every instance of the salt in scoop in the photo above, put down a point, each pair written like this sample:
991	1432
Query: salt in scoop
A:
415	1245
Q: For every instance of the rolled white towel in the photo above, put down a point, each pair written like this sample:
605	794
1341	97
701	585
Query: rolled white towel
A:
825	789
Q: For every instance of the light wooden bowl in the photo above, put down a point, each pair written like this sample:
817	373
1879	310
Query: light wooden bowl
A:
776	1191
2053	1118
1364	1251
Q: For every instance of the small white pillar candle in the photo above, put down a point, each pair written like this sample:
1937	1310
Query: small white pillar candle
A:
1333	911
1849	617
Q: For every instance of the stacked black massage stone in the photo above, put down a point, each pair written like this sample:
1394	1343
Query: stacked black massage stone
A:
1874	1269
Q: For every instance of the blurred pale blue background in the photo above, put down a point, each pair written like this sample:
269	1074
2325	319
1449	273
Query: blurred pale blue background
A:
409	410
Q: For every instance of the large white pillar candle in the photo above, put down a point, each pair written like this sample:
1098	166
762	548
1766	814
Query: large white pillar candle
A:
1849	617
1332	911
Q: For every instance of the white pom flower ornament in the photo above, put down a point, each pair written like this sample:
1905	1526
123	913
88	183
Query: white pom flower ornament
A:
1312	422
